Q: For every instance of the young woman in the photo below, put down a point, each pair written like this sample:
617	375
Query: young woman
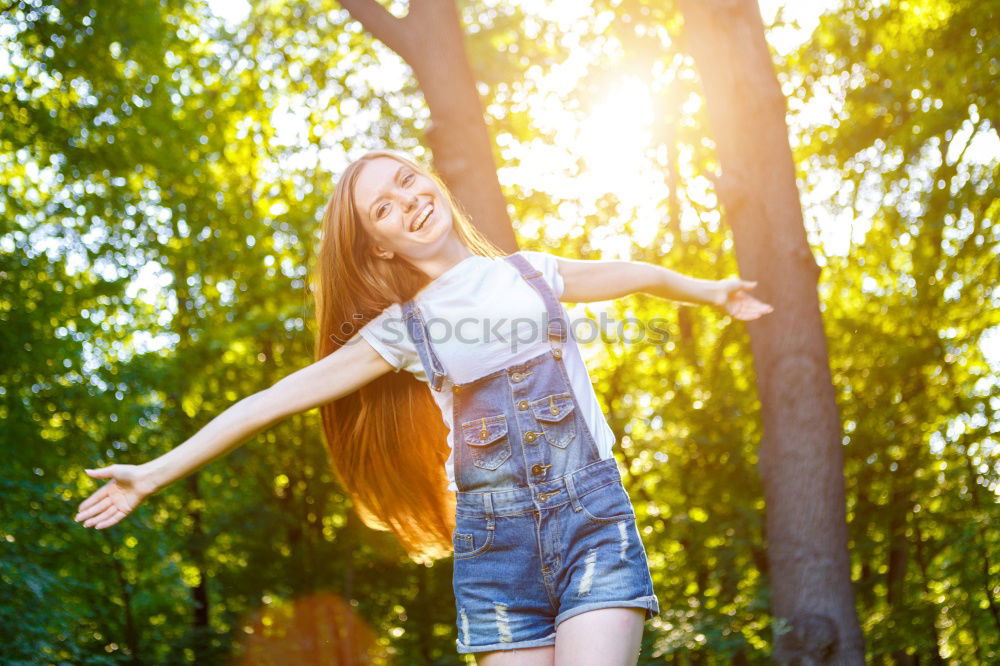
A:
506	459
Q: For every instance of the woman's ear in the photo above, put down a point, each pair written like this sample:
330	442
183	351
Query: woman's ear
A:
382	254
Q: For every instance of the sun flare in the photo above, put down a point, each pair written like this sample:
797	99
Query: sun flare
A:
615	137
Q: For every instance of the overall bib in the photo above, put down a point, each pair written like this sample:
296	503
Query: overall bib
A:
544	528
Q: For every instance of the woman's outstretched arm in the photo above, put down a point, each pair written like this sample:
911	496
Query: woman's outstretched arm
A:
338	374
585	281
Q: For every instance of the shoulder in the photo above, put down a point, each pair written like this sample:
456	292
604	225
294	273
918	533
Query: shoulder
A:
386	333
548	265
394	311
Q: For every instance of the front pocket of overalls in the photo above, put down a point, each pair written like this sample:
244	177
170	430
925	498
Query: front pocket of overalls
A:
473	536
487	441
607	504
553	414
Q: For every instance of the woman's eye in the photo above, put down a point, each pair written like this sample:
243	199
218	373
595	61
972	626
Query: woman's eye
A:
380	212
408	178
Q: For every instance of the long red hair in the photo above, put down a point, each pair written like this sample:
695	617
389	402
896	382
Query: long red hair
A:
387	441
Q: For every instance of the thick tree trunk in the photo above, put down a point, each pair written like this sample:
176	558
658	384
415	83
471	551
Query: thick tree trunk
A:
801	460
430	39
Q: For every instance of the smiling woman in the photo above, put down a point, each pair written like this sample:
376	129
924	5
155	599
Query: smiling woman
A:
508	457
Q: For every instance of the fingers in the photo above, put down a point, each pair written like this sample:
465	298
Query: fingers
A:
101	473
764	308
752	311
110	511
104	513
93	510
117	516
98	495
746	308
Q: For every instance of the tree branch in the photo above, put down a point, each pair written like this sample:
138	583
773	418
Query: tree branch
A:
380	23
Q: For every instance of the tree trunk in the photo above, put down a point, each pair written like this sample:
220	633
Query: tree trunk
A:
935	657
801	460
199	593
430	39
131	630
898	556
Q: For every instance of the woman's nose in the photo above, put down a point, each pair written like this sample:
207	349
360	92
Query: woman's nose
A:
409	202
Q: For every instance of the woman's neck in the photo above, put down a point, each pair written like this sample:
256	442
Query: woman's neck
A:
440	262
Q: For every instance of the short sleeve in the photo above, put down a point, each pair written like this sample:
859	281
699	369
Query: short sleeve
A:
549	267
386	333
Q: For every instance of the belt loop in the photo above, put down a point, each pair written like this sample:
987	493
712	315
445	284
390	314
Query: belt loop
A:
574	500
488	505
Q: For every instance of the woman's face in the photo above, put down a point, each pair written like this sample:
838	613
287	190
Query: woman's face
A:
401	209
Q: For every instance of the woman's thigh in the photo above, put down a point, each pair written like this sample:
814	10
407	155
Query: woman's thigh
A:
601	637
537	656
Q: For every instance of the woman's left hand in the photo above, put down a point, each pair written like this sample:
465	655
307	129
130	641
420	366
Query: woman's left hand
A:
732	298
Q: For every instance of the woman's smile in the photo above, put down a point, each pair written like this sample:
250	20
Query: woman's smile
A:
421	218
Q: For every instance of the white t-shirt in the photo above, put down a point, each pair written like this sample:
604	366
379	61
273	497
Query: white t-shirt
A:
482	316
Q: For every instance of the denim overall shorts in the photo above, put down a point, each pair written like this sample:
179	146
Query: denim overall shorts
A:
544	528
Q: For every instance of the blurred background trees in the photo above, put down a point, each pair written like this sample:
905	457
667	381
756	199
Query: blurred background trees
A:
163	165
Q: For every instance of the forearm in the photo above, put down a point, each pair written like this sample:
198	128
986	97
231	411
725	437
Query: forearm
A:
669	284
225	432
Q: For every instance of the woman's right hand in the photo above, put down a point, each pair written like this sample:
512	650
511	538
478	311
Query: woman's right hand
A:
129	485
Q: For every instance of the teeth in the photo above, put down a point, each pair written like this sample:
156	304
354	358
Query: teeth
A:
423	218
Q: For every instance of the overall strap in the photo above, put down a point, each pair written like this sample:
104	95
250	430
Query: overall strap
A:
556	323
417	331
